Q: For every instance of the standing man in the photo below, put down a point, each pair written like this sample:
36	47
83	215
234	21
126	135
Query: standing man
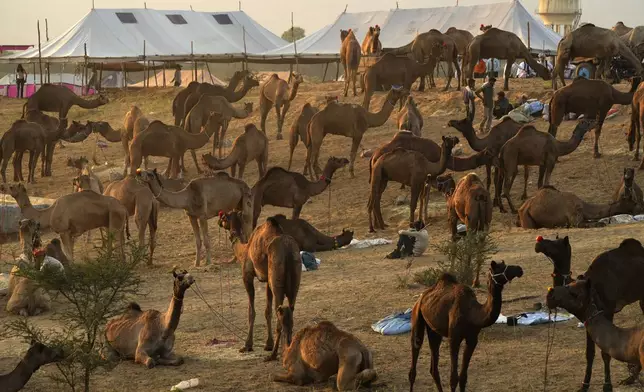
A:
177	76
487	89
468	100
21	78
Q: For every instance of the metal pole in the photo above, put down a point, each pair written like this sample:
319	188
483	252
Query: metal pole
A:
527	67
164	74
297	63
156	82
145	68
245	63
325	69
39	52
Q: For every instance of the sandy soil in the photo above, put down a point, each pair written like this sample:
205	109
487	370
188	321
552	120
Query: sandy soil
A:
353	288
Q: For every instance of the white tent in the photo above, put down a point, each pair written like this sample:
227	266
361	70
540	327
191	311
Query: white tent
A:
118	35
400	26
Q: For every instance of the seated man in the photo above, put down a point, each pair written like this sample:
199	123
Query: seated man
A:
411	242
502	105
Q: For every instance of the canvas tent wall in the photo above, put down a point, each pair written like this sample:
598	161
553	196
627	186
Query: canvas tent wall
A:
400	26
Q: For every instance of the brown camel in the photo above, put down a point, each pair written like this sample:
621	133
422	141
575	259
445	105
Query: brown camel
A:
590	41
82	165
531	147
73	214
550	208
371	43
179	101
449	54
54	98
282	188
410	119
160	139
592	98
273	257
559	253
148	336
276	93
616	277
389	71
350	59
22	136
322	352
406	167
201	113
621	29
202	199
503	45
347	120
628	189
250	145
53	133
139	201
299	127
38	355
635	41
462	38
450	310
637	123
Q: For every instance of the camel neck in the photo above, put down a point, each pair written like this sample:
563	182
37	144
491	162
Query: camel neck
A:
475	142
567	147
468	163
293	91
616	342
19	376
232	85
173	314
319	186
488	313
379	118
29	212
239	94
87	104
179	199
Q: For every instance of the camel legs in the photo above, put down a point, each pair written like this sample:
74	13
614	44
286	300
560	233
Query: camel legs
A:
67	242
250	290
297	209
277	285
195	230
222	136
126	159
639	125
33	158
470	346
435	341
5	162
508	73
416	188
526	174
354	151
194	159
354	76
264	108
280	111
142	357
17	166
141	220
452	220
454	348
203	224
508	180
294	138
450	75
268	315
170	359
598	132
346	79
346	379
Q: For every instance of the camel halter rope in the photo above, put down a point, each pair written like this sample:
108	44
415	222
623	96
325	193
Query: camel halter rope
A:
566	277
227	324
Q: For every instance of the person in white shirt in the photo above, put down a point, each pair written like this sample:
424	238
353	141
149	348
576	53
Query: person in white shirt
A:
411	242
21	78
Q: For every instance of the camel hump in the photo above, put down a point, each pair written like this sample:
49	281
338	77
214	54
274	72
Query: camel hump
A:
275	224
632	245
550	187
134	306
279	216
448	278
587	25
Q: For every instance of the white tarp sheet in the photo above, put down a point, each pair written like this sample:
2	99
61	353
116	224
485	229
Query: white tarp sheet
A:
400	26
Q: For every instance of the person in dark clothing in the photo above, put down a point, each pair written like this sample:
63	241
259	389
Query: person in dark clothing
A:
177	77
502	105
468	100
411	242
21	78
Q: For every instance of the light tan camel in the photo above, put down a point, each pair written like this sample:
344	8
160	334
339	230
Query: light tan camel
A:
635	41
250	145
148	336
450	310
347	120
37	356
139	201
73	214
54	98
350	59
410	119
133	124
272	257
275	92
53	133
179	101
248	82
202	199
22	136
82	165
371	43
321	352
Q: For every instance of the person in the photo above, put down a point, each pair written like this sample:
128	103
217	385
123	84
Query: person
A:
411	242
492	67
93	81
177	77
21	78
488	104
479	69
502	105
468	100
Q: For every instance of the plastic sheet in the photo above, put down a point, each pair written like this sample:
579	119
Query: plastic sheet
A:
394	324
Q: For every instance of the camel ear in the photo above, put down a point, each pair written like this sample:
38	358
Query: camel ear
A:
566	240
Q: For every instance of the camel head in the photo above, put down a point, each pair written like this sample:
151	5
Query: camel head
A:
376	31
39	354
331	98
30	231
15	190
450	142
583	126
396	94
148	176
103	100
285	318
250	81
501	273
333	164
580	298
297	78
485	28
444	183
182	281
629	177
464	126
76	132
233	222
344	34
248	107
559	252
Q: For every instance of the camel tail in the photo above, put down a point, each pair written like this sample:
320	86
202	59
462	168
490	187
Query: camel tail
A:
355	57
418	328
481	202
154	215
127	228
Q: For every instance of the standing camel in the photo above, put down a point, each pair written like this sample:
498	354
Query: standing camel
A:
22	136
231	96
462	38
250	145
637	123
53	133
202	199
347	120
179	101
410	119
371	43
350	59
38	355
53	98
450	310
275	92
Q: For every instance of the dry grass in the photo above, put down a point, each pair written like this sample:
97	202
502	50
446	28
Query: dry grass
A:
353	288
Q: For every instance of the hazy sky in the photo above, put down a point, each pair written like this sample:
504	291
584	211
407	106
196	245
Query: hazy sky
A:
18	24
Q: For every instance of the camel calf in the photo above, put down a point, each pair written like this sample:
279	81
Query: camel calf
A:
468	201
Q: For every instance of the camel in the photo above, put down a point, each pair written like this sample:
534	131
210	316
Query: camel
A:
450	310
462	38
250	145
282	188
530	147
635	41
628	189
590	41
500	44
551	208
139	201
179	101
299	127
410	119
409	168
133	124
559	252
276	92
200	114
160	139
347	120
390	71
621	29
593	98
82	165
321	352
309	239
38	355
54	98
350	59
202	199
272	257
450	56
637	123
73	214
53	133
148	336
22	136
371	43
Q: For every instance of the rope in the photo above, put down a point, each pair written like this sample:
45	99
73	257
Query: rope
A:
200	295
328	224
549	344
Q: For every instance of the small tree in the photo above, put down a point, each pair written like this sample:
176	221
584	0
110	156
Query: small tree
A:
293	34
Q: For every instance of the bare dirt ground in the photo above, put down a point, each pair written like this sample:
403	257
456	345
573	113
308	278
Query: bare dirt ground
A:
353	288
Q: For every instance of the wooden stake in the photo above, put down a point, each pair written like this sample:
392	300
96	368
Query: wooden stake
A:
326	68
245	63
337	70
46	30
39	53
85	70
156	82
164	74
297	63
100	78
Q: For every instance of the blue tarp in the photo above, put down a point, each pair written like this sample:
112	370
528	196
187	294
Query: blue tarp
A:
394	324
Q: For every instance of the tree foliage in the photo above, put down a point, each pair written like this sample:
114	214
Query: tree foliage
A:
293	34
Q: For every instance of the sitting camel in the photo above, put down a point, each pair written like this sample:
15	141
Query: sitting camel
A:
408	168
38	355
148	336
55	98
450	310
531	147
22	136
271	256
250	145
282	188
202	199
628	189
550	208
410	119
275	92
73	214
321	352
559	252
82	165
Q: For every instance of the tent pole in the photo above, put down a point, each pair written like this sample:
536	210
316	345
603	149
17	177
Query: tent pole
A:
326	68
62	69
527	67
192	55
34	76
85	70
39	53
297	63
156	82
209	73
290	73
100	78
245	62
337	70
164	74
145	68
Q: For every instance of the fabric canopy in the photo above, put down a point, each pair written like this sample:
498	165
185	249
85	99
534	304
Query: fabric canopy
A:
119	34
400	26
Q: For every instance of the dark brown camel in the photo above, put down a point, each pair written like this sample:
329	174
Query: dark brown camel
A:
350	59
53	98
53	133
179	101
248	82
37	356
22	136
628	189
559	252
391	70
637	123
450	310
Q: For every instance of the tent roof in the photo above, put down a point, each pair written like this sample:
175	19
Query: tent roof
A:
109	36
400	26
